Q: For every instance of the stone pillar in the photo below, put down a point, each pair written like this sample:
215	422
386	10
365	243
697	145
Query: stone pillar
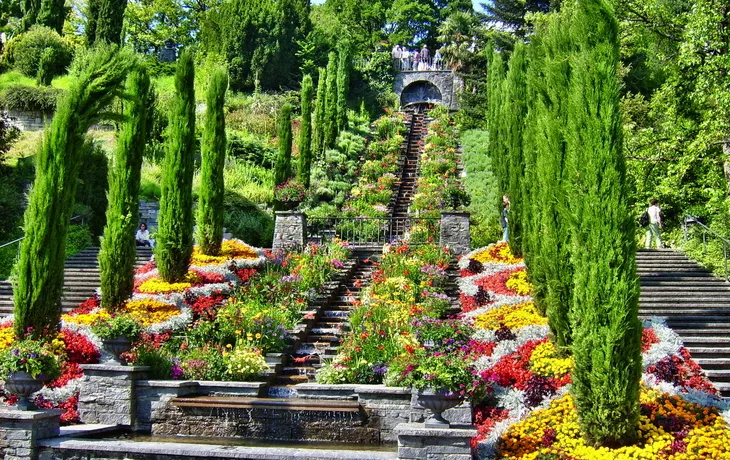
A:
418	442
107	394
455	232
21	430
290	229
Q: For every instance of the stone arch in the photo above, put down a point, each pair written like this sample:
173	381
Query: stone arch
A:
421	91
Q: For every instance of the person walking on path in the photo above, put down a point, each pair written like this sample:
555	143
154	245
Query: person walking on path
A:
655	224
504	220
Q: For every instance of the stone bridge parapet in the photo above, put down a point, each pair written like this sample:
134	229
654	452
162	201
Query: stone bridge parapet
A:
436	86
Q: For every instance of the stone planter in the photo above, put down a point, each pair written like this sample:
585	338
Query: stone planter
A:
23	385
437	401
116	347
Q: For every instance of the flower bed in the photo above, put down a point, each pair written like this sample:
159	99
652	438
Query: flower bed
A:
235	308
530	414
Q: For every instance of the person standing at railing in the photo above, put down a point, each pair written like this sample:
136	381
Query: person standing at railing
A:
437	60
425	58
416	59
396	56
404	58
655	224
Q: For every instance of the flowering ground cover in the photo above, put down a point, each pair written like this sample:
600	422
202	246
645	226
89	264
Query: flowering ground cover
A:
528	412
229	312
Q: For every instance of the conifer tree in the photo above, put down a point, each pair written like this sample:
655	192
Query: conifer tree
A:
549	124
175	232
604	314
52	14
97	77
305	135
282	170
104	21
514	118
330	116
319	113
213	153
118	252
343	86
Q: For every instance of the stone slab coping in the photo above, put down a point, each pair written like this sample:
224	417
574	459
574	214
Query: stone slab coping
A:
293	404
86	430
29	415
323	387
212	451
382	390
167	383
216	384
114	368
419	429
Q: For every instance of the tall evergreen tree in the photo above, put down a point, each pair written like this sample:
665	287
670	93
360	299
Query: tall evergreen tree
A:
305	135
343	86
96	79
511	13
330	115
282	170
30	9
319	113
604	314
104	21
118	252
213	152
52	14
175	232
514	118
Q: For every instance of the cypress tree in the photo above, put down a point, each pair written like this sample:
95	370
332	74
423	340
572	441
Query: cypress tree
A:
175	232
96	78
282	169
104	21
117	254
213	152
549	124
30	9
330	115
606	329
343	86
319	113
52	14
514	118
305	135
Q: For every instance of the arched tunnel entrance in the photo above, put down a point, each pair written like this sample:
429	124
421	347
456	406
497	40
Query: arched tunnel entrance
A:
420	91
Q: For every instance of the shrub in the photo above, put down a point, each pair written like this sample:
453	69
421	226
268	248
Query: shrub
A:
252	149
29	98
26	52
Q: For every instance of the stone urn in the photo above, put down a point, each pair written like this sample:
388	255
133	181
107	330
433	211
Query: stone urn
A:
116	347
22	385
437	400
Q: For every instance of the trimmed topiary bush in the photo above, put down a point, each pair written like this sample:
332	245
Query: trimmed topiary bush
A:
30	98
26	52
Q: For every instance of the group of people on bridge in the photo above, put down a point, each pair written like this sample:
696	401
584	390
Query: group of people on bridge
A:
416	60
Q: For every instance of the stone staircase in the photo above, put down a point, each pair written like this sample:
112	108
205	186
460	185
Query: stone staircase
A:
695	304
328	325
81	279
409	173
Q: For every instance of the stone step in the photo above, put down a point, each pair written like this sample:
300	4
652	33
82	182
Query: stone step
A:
695	320
687	290
692	340
713	363
710	352
683	284
698	309
717	375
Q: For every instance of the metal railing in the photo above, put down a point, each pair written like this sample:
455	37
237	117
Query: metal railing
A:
18	240
373	231
694	222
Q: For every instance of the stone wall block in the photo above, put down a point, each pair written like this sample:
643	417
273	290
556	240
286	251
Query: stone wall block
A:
290	230
455	232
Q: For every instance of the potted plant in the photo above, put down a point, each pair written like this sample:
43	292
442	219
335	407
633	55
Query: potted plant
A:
117	334
290	193
25	366
439	381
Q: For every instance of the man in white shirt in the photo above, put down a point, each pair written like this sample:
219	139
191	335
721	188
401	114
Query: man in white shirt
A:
655	224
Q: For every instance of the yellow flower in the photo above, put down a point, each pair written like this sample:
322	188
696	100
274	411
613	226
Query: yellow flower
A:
155	285
230	249
258	335
7	337
511	316
86	318
149	311
518	283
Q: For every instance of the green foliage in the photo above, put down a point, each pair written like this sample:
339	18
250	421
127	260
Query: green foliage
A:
495	97
330	114
319	114
104	21
515	112
252	149
116	326
118	253
174	235
511	13
52	14
259	39
98	76
481	184
343	85
606	328
213	146
91	199
79	238
283	168
305	135
26	52
373	83
255	114
30	98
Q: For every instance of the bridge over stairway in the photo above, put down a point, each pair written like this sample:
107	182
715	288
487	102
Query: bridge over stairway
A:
81	279
695	304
